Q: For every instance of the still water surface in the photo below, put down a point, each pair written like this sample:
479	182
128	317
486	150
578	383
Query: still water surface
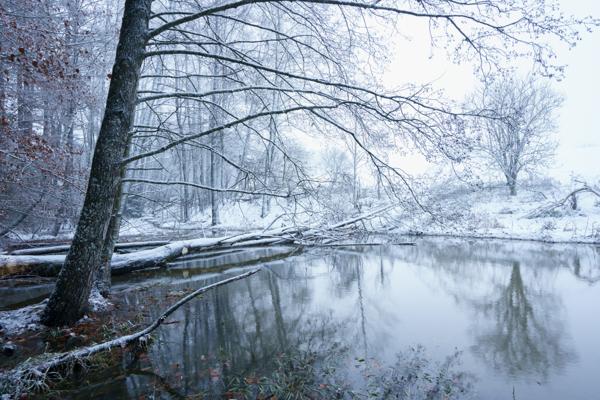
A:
501	320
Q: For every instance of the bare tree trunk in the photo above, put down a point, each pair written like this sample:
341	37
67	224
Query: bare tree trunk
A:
103	275
355	189
265	208
62	213
214	200
90	134
185	203
214	196
24	114
511	182
3	116
69	299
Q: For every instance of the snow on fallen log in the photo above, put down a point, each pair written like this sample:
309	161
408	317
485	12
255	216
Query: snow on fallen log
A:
62	248
49	265
33	373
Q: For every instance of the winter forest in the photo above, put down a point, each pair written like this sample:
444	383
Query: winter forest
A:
288	199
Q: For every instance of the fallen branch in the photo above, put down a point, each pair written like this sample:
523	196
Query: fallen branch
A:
29	374
544	210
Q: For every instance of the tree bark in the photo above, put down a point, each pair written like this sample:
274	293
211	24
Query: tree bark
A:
102	280
511	182
69	299
62	214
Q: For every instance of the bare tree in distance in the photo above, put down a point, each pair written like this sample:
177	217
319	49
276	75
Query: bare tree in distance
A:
321	87
516	136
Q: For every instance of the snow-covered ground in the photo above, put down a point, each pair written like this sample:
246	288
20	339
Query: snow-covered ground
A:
492	212
13	322
455	211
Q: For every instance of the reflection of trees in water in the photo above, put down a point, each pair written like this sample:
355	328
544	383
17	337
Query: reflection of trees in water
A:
240	329
586	265
526	334
347	275
518	326
347	278
461	255
236	330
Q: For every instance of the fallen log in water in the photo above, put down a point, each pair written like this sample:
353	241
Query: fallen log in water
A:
32	375
63	248
21	290
49	265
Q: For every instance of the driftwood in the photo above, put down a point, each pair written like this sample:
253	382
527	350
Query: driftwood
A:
33	374
571	197
49	265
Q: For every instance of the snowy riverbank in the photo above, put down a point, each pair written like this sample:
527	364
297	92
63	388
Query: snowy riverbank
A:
492	213
462	212
488	212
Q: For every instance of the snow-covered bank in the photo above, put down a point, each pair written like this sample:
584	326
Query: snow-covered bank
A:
493	213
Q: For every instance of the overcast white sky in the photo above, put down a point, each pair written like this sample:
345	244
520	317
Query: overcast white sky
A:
579	129
579	133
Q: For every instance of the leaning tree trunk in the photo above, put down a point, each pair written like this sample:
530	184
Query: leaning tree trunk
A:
69	299
103	273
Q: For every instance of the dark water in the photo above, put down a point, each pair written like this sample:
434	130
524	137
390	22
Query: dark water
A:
489	320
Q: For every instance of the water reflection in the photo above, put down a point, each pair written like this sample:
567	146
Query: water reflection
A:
381	317
525	334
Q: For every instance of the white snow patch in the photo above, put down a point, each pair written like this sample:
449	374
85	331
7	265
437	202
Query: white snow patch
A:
13	322
97	302
492	212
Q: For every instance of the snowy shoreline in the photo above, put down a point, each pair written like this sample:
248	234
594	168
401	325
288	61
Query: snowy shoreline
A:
492	237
